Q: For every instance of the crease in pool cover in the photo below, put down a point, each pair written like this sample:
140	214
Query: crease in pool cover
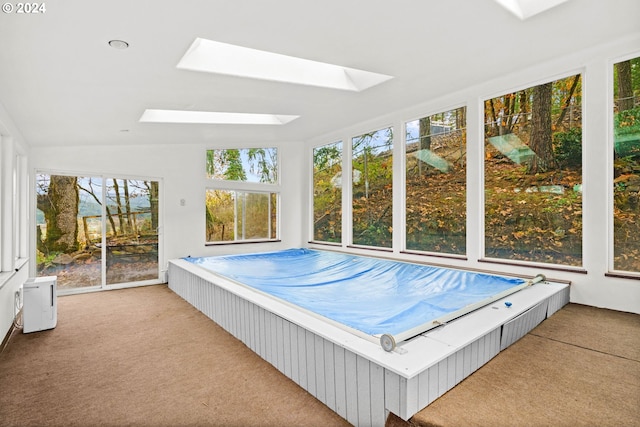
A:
371	295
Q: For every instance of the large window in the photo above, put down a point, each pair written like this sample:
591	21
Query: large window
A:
372	188
241	200
435	180
533	174
327	193
240	215
626	166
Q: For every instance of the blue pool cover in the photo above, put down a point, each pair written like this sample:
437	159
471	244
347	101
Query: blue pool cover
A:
372	295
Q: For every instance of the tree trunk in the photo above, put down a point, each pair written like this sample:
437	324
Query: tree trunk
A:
153	203
127	206
541	142
424	135
567	103
116	189
60	207
625	86
523	113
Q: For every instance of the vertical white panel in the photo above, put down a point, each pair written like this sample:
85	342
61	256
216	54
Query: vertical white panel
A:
364	391
287	348
319	368
246	320
237	317
352	387
423	389
451	371
459	366
466	364
262	346
224	308
474	356
273	339
433	378
340	381
378	412
392	391
295	366
443	374
311	363
280	344
252	327
302	358
329	375
267	336
411	396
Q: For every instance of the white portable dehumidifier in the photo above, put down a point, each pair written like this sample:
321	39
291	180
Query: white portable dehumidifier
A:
39	304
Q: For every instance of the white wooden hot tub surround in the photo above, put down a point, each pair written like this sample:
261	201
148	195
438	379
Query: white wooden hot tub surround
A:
353	376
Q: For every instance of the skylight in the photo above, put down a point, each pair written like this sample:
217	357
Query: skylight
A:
524	9
222	58
210	117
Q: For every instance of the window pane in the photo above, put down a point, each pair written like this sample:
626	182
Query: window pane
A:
435	179
372	188
69	229
327	193
626	165
238	215
245	164
533	174
131	230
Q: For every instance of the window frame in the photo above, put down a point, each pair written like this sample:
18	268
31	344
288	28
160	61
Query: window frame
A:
348	157
247	187
611	229
482	179
344	182
403	175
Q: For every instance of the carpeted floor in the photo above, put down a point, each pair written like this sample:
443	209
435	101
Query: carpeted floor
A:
145	357
580	367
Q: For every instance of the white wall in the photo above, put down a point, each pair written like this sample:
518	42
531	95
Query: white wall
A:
181	171
590	285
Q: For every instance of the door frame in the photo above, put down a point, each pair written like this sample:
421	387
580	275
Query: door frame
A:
161	278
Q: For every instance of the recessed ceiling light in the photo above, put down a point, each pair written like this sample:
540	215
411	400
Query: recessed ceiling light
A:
524	9
210	117
222	58
118	44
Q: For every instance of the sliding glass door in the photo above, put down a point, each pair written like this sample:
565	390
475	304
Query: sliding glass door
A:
95	231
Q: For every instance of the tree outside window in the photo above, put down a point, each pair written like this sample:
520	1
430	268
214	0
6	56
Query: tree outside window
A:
626	165
436	183
533	174
327	193
372	188
242	214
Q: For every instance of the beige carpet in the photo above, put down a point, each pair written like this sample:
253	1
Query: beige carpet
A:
145	357
580	367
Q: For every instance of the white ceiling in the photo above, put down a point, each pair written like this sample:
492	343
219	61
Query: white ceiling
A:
61	83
